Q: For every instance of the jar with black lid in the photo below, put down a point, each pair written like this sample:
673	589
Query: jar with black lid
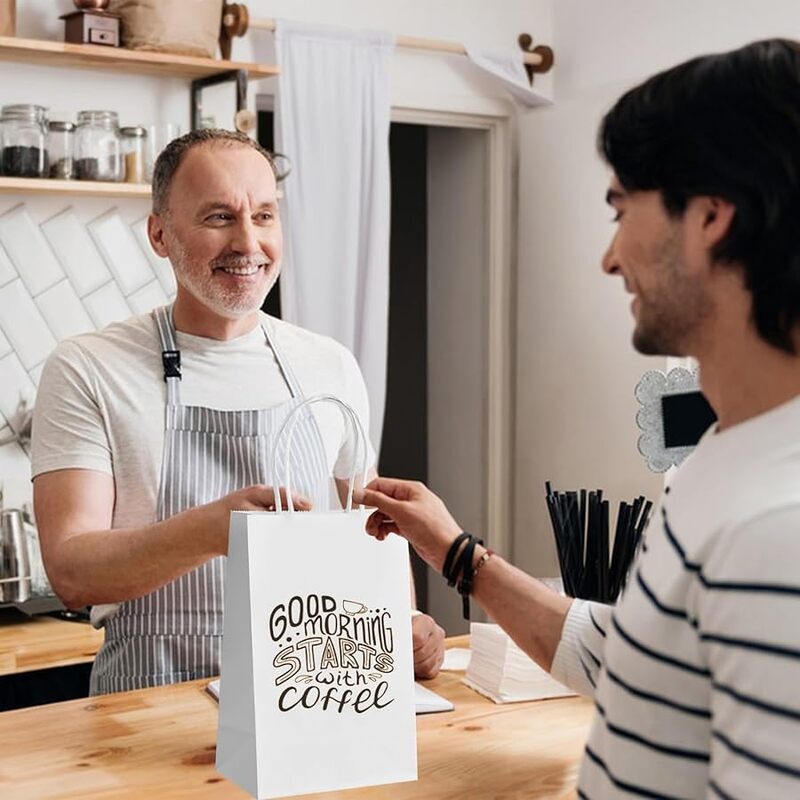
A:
98	155
60	146
23	139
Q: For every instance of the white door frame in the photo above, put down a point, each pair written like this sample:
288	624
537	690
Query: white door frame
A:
498	491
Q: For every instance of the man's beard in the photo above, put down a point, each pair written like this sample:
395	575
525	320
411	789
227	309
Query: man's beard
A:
656	339
670	313
201	283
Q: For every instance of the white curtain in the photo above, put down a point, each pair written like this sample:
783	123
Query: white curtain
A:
332	119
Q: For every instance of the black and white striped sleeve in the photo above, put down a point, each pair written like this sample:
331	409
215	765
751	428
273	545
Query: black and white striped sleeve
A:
580	651
748	614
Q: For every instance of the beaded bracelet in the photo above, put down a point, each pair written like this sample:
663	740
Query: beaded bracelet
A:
481	561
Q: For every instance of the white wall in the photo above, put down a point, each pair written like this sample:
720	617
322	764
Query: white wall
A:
576	369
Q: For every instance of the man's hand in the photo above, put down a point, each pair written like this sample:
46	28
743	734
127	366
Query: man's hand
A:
415	512
258	497
428	639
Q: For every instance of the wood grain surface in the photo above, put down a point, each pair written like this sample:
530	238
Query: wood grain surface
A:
120	59
29	643
160	744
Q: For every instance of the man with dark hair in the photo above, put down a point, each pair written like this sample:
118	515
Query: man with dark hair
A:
148	433
694	672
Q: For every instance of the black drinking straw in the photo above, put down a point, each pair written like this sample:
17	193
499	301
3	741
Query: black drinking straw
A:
580	521
603	577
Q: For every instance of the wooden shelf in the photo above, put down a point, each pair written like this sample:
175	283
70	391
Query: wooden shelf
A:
83	188
89	56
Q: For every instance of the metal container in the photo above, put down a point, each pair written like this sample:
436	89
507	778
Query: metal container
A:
15	572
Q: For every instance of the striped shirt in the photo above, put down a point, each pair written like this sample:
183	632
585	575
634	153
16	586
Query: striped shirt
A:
695	673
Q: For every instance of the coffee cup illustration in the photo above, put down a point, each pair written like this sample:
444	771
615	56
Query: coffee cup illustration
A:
352	608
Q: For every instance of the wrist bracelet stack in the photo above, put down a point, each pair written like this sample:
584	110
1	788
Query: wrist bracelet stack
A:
458	562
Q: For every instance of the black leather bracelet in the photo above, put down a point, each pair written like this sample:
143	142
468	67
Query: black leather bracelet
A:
457	568
449	568
465	584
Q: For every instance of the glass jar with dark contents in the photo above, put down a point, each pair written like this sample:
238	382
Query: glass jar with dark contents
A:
60	144
98	155
23	139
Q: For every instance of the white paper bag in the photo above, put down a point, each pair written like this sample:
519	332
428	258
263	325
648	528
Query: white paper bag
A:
317	685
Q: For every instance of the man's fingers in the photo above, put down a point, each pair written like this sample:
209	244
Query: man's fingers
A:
429	668
428	647
300	502
380	526
379	500
394	488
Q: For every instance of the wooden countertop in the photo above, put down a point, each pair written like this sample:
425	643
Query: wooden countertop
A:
160	743
29	643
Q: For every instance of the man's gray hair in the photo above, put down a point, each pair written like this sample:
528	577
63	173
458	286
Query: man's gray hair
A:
171	156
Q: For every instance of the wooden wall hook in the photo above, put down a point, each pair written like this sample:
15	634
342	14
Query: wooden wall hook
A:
235	22
544	52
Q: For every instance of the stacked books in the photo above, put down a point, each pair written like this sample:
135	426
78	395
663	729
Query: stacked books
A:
500	671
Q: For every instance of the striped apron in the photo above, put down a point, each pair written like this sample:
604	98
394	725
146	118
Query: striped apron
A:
175	633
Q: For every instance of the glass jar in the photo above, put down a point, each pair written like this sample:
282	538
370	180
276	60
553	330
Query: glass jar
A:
134	140
60	146
23	139
158	137
98	155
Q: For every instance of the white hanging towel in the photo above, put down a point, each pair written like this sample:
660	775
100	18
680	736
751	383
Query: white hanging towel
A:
508	69
332	119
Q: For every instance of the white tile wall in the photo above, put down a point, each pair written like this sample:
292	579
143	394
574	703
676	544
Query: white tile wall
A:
123	255
15	388
7	271
59	278
147	298
32	256
161	266
15	471
36	373
63	311
5	345
24	326
107	305
77	252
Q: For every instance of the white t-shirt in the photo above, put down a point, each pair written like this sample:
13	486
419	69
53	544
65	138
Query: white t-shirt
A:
102	396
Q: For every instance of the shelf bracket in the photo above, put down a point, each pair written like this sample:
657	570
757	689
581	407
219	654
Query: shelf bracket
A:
238	75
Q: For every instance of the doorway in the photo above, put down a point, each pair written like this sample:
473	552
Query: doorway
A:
435	423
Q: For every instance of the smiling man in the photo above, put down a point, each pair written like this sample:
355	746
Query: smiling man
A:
694	673
148	433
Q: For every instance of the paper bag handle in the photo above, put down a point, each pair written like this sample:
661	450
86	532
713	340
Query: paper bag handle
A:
288	428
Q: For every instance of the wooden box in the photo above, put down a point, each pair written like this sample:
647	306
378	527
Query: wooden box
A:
92	27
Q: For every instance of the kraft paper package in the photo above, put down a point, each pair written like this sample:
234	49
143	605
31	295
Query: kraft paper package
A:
185	27
317	658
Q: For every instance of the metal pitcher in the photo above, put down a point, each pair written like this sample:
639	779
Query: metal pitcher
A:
15	571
